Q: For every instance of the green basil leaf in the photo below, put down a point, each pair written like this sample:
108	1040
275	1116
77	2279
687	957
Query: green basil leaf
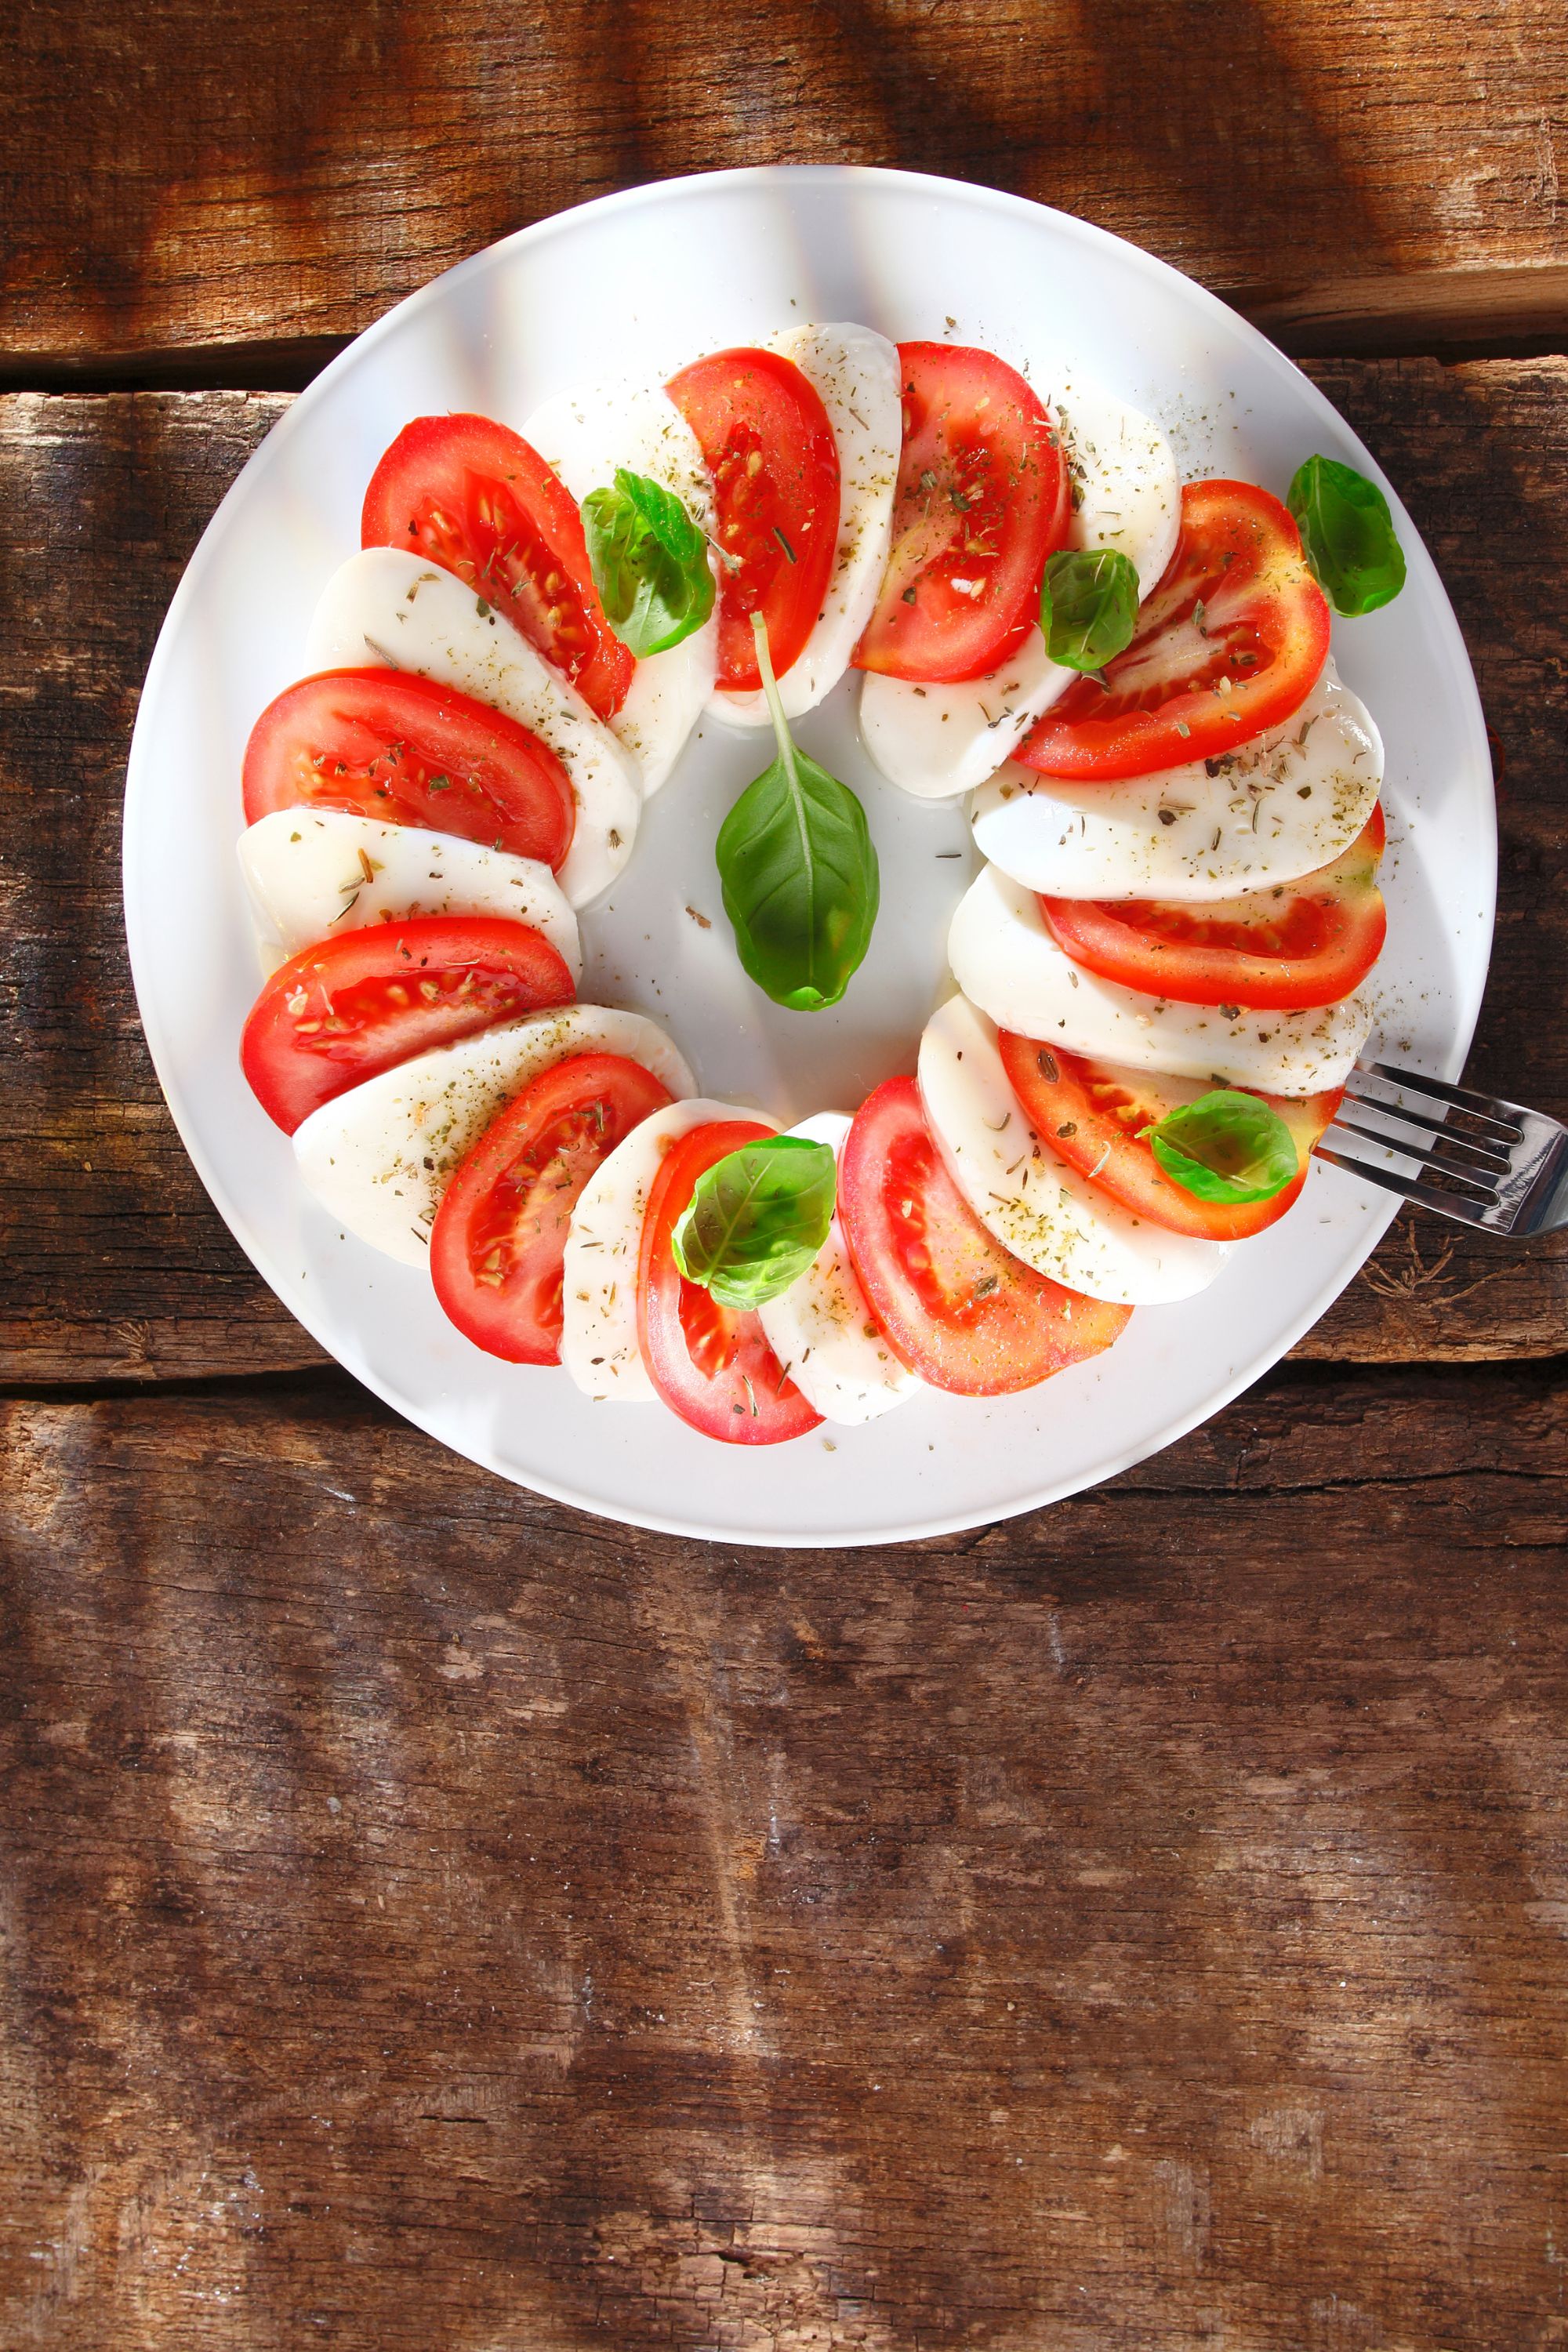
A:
1348	536
1227	1147
757	1219
649	562
1089	606
799	872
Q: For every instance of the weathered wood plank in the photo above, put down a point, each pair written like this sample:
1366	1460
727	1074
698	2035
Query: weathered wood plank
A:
434	1918
118	1267
236	173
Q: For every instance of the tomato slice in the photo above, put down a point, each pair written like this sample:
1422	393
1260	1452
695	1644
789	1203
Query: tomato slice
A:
500	1234
473	497
1093	1112
381	744
711	1365
774	462
957	1308
1297	945
1230	643
984	497
340	1012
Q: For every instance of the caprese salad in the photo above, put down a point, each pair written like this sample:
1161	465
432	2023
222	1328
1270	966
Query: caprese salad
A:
1158	968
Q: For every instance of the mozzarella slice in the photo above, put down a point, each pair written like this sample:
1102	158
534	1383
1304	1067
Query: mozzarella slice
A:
380	1156
599	1275
823	1330
313	872
585	437
1023	1192
935	740
1007	964
385	606
856	376
1271	811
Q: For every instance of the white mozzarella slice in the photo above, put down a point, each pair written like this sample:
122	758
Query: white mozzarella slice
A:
599	1274
310	872
1271	811
380	1157
385	606
1023	1192
1006	962
586	436
856	374
823	1330
935	740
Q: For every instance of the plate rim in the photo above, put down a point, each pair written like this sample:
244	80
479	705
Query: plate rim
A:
138	785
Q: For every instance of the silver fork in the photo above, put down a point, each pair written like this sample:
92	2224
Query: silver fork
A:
1499	1165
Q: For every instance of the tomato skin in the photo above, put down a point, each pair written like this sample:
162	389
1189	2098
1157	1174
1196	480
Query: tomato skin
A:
925	1261
1091	1115
710	1364
349	1007
770	449
1264	628
500	1234
410	753
473	497
984	497
1296	946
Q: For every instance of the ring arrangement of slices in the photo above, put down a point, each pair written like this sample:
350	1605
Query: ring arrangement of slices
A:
1159	968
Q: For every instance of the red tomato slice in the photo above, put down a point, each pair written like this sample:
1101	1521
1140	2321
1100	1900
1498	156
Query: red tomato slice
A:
774	462
710	1365
984	497
500	1234
474	498
381	743
1298	945
958	1309
349	1007
1230	643
1092	1112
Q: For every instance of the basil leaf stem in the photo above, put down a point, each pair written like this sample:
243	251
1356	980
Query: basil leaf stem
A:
1347	535
799	872
649	562
1227	1146
1089	606
757	1219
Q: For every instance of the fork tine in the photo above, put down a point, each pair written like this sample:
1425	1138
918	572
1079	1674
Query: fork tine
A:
1481	1179
1426	1196
1492	1160
1506	1114
1492	1141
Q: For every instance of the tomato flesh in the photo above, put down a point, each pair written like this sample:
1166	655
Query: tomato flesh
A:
1297	946
984	497
770	449
710	1364
500	1232
955	1306
1230	642
1093	1113
471	496
349	1007
381	744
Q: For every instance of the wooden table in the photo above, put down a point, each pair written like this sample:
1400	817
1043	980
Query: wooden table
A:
436	1922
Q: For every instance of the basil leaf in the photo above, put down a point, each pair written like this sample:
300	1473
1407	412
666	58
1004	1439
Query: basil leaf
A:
799	872
1226	1147
649	562
1348	536
1089	606
757	1219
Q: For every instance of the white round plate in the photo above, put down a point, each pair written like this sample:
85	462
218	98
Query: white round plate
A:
656	277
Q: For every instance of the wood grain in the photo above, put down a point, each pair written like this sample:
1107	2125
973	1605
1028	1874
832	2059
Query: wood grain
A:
202	172
437	1920
117	1267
